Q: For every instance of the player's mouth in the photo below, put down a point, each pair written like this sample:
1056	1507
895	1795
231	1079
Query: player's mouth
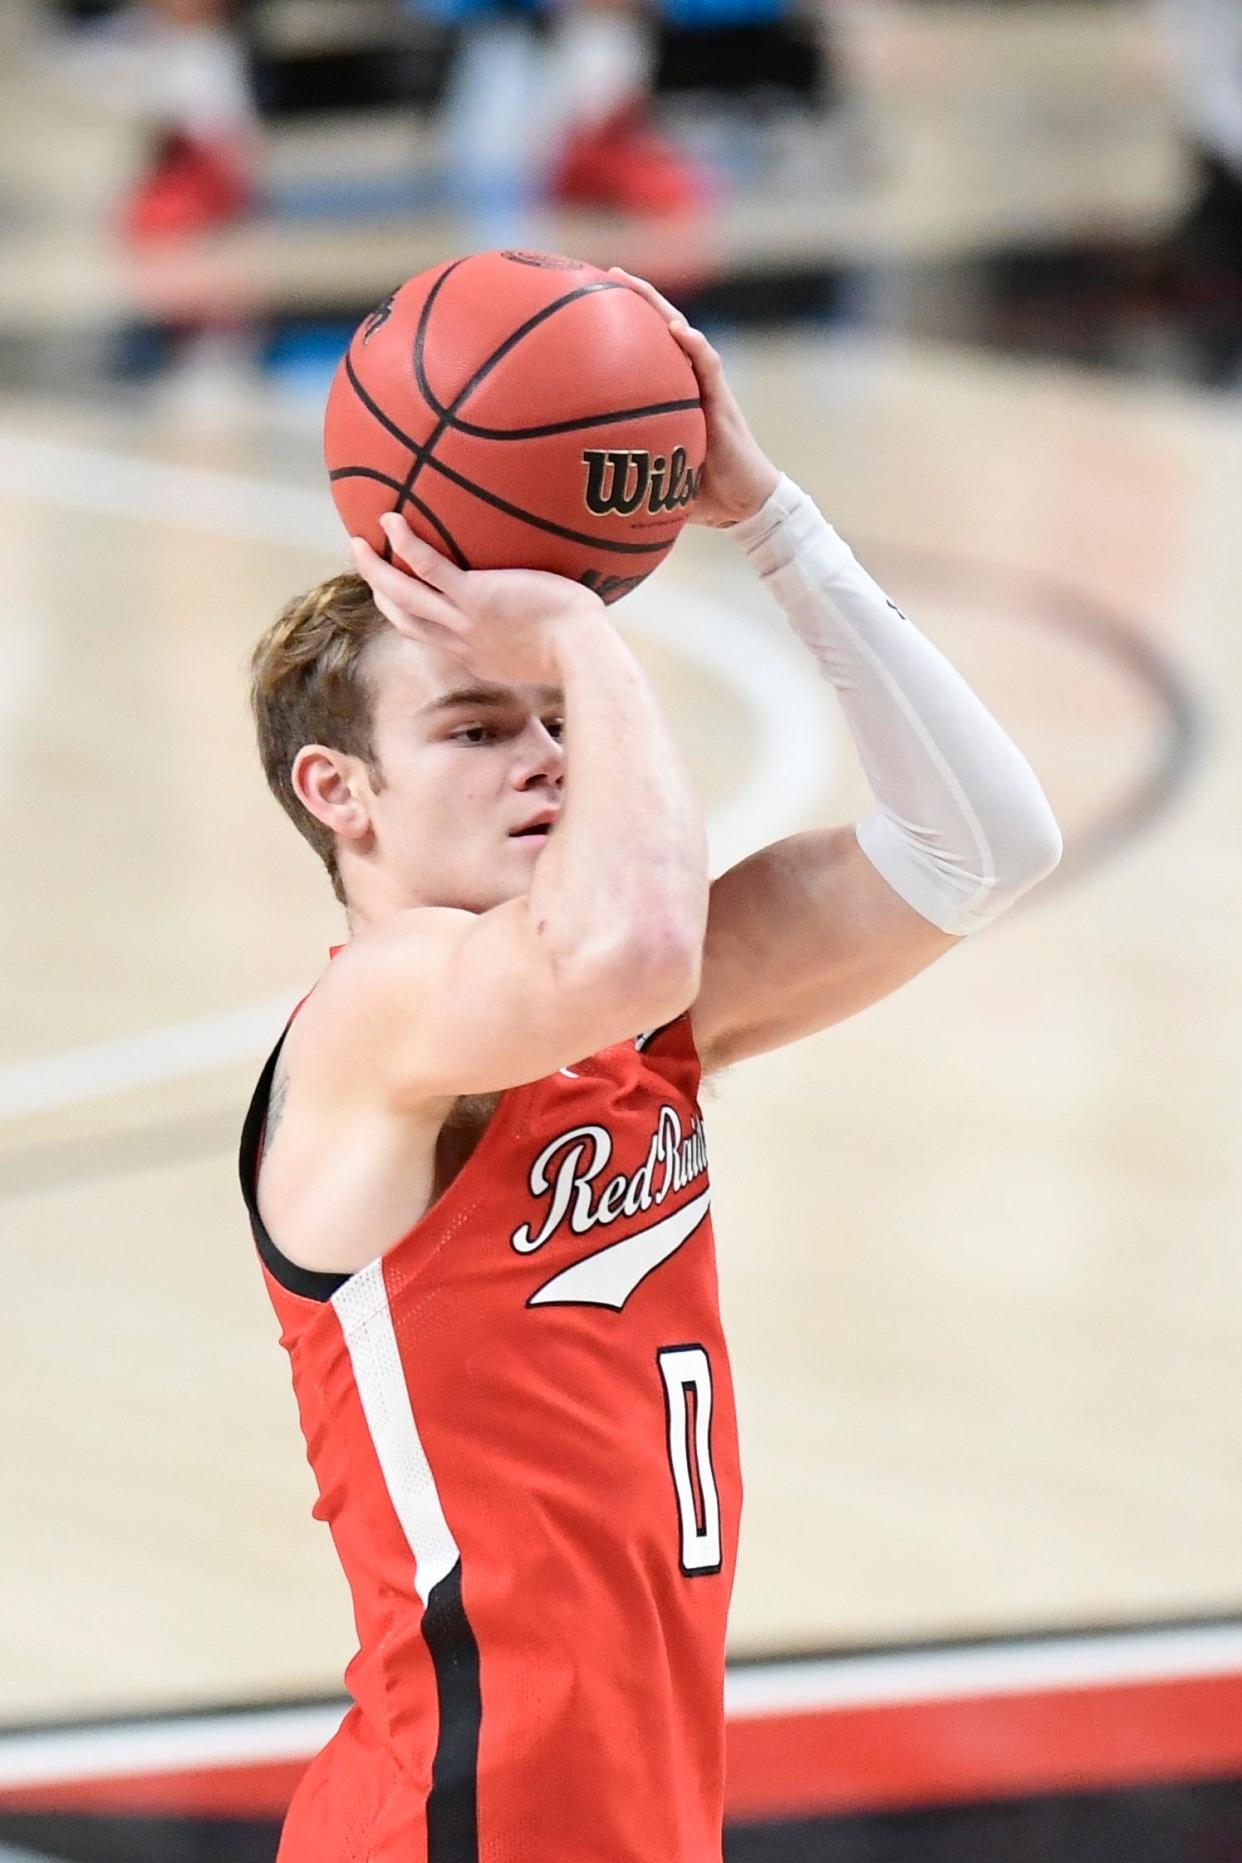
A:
538	828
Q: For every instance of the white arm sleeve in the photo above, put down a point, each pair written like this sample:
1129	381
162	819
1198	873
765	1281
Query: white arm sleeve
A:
962	827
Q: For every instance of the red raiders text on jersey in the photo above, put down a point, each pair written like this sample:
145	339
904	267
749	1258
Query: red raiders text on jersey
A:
521	1424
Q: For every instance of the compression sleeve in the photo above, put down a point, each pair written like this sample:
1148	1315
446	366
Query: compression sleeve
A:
962	827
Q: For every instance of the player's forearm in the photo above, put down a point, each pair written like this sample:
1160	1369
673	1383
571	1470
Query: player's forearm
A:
626	869
963	826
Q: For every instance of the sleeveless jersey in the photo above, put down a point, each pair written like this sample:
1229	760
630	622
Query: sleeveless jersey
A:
521	1424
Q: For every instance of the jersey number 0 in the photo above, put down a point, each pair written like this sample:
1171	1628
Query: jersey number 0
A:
687	1374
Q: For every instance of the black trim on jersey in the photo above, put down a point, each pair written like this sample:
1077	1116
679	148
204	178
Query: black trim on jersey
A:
453	1802
309	1283
643	1042
304	1281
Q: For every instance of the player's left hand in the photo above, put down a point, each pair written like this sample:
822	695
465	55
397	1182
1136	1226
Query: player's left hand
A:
738	476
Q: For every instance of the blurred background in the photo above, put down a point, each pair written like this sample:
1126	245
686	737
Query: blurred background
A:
975	268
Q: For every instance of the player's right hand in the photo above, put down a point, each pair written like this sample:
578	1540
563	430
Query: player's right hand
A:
503	624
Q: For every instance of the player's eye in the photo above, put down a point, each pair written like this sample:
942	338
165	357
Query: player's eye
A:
474	734
555	727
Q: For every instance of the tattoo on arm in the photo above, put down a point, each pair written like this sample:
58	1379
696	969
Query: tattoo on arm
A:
276	1102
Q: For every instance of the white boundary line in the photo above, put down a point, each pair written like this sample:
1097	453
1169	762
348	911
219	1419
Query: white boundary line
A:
794	746
146	1059
199	498
233	1739
836	1683
889	1678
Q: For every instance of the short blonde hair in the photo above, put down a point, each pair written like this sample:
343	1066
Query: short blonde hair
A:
308	686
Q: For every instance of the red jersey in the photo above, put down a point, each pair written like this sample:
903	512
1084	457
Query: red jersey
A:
521	1423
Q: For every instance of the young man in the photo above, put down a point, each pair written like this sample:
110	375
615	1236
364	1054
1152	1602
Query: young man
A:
475	1163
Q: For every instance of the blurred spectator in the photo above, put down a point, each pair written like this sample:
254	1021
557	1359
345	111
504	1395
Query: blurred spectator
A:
543	98
201	169
554	99
553	96
178	67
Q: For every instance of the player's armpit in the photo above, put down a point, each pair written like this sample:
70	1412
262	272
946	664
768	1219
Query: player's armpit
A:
436	1002
800	935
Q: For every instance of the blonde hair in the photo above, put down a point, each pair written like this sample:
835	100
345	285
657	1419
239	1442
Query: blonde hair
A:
307	686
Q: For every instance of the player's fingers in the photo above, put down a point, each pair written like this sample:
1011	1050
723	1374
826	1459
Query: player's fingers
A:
427	563
668	311
404	624
397	593
702	355
416	627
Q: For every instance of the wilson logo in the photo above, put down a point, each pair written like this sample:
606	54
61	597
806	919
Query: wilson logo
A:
621	482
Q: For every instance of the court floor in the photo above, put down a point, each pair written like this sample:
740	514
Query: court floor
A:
977	1247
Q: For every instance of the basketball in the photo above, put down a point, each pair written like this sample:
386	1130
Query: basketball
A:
521	410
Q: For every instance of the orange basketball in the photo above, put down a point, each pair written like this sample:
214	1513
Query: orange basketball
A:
522	410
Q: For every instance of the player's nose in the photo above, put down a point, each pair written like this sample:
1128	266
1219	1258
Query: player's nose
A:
542	757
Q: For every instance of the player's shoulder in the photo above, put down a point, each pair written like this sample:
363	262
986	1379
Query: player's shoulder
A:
376	975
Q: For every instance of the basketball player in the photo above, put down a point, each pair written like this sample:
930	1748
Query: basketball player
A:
475	1163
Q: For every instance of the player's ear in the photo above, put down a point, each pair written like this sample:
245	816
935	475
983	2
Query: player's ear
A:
329	785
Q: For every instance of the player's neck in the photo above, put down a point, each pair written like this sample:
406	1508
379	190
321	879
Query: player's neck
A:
374	893
372	897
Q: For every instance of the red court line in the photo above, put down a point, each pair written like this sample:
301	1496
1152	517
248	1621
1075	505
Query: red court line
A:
259	1791
985	1747
836	1760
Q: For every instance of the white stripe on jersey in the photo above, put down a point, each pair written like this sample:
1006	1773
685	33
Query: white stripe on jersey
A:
362	1308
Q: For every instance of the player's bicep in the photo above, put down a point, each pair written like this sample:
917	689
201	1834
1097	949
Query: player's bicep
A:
800	935
438	1002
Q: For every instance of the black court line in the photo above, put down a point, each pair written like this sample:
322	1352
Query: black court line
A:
1178	747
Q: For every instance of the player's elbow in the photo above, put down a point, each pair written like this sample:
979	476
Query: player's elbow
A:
1032	851
653	972
1038	847
671	964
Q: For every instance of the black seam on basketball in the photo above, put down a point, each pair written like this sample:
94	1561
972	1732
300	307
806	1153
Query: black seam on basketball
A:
498	355
364	472
455	550
581	425
394	485
445	414
423	454
499	504
538	523
372	407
